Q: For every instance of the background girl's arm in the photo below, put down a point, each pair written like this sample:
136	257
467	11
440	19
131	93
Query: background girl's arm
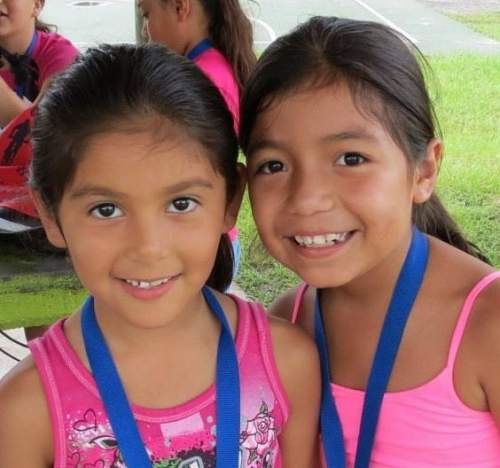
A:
25	432
11	105
298	366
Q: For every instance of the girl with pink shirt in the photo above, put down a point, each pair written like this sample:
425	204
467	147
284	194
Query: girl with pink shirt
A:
30	53
343	155
218	37
135	173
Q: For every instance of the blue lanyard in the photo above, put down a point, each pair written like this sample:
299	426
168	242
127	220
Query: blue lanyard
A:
199	48
20	87
117	406
405	292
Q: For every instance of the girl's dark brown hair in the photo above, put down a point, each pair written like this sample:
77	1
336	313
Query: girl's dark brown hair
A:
124	86
385	78
232	34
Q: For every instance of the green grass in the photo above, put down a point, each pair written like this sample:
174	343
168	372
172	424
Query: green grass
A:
468	106
484	23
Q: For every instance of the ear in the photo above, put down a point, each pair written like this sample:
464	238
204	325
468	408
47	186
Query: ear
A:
37	7
49	222
234	205
182	9
426	171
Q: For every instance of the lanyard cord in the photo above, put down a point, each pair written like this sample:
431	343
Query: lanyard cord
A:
405	292
117	406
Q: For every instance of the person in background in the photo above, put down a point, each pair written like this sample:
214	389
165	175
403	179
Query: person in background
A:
30	53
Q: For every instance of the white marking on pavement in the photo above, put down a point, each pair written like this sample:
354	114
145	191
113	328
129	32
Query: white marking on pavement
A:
268	29
387	21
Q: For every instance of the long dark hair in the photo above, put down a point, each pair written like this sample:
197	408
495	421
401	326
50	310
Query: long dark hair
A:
385	77
110	85
232	34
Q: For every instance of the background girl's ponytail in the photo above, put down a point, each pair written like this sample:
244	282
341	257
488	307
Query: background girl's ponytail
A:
232	34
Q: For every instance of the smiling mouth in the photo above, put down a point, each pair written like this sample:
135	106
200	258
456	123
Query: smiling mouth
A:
142	284
322	240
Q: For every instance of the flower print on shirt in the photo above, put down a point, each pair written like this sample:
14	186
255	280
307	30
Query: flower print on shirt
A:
259	439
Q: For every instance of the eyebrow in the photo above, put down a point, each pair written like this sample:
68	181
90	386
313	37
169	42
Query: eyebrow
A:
101	191
355	134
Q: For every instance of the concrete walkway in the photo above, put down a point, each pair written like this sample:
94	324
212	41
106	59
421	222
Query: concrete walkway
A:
90	22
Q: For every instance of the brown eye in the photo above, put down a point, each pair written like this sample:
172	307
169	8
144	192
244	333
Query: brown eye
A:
182	205
351	159
271	167
106	211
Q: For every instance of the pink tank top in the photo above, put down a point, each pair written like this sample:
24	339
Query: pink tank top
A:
428	425
53	53
216	67
182	436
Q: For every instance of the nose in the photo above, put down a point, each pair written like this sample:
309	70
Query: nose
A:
310	192
147	241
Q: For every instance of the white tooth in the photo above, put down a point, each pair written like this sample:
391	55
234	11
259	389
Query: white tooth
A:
331	237
319	240
159	282
307	240
299	240
144	284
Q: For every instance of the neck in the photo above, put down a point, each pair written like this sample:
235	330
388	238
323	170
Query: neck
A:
372	290
193	320
18	43
195	40
198	27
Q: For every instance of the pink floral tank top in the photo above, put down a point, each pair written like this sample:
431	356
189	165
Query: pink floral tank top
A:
178	437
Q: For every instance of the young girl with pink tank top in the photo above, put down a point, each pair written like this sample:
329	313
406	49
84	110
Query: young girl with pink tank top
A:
30	53
138	178
342	162
218	37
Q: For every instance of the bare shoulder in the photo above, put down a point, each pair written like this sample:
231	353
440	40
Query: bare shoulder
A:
295	353
453	277
25	432
483	329
298	365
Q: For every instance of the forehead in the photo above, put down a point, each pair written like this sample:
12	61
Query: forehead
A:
316	112
130	158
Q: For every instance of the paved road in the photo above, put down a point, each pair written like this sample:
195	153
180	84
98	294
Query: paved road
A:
89	22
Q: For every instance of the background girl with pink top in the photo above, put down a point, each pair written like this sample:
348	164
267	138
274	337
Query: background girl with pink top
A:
29	54
218	37
343	156
135	173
